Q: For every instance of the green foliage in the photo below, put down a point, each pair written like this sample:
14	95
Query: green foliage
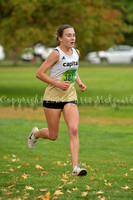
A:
127	12
25	23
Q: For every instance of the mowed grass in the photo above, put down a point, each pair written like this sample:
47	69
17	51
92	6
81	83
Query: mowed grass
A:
105	151
100	80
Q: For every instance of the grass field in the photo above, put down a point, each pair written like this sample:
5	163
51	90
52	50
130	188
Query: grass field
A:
105	132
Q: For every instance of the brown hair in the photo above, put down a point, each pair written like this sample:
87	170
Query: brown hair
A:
61	29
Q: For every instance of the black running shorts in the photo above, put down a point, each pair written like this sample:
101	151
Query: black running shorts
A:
56	105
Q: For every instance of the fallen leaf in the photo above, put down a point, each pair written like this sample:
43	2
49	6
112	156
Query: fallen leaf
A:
84	194
36	158
107	184
47	197
60	187
43	190
119	165
126	175
65	176
29	188
58	162
3	190
24	176
103	198
64	164
73	180
64	180
12	170
88	187
39	167
113	169
5	157
99	192
69	183
11	186
68	191
58	192
126	188
131	169
74	189
99	197
92	178
15	160
44	172
8	193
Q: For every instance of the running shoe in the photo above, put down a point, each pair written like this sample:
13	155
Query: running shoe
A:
79	171
31	139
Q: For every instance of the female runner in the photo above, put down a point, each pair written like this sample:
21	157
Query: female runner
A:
60	94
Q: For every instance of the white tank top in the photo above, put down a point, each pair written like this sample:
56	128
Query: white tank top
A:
66	68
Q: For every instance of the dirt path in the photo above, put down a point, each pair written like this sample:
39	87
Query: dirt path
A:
38	114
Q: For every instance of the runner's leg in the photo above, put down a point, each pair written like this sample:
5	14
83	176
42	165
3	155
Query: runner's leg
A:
52	118
71	116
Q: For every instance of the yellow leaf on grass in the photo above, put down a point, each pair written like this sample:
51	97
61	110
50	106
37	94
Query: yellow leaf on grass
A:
5	157
12	170
103	198
43	172
39	167
84	194
59	163
68	191
11	186
65	176
15	160
92	178
126	175
29	188
108	184
24	176
64	180
74	189
58	192
126	188
69	183
43	190
131	169
47	197
88	187
99	192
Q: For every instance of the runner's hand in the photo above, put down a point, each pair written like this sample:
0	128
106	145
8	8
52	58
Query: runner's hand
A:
63	85
82	86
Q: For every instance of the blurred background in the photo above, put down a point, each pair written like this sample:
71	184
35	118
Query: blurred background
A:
104	29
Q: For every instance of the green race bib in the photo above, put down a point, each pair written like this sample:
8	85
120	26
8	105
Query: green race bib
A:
69	75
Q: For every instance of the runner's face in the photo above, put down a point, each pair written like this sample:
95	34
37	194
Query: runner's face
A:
68	38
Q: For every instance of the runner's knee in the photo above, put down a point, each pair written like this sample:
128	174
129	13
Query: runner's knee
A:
73	131
53	135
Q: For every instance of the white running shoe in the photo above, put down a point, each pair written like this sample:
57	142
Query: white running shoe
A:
31	139
79	171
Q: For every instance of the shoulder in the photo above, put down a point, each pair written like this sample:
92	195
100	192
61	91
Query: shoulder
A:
77	51
54	55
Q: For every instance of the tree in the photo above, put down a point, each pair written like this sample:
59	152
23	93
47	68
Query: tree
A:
25	23
127	12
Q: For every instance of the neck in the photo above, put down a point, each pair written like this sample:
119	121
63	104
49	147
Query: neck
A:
67	50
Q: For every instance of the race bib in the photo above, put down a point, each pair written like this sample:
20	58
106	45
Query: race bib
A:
69	75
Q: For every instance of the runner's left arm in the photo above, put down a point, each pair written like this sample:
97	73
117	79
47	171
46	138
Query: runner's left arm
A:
80	84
